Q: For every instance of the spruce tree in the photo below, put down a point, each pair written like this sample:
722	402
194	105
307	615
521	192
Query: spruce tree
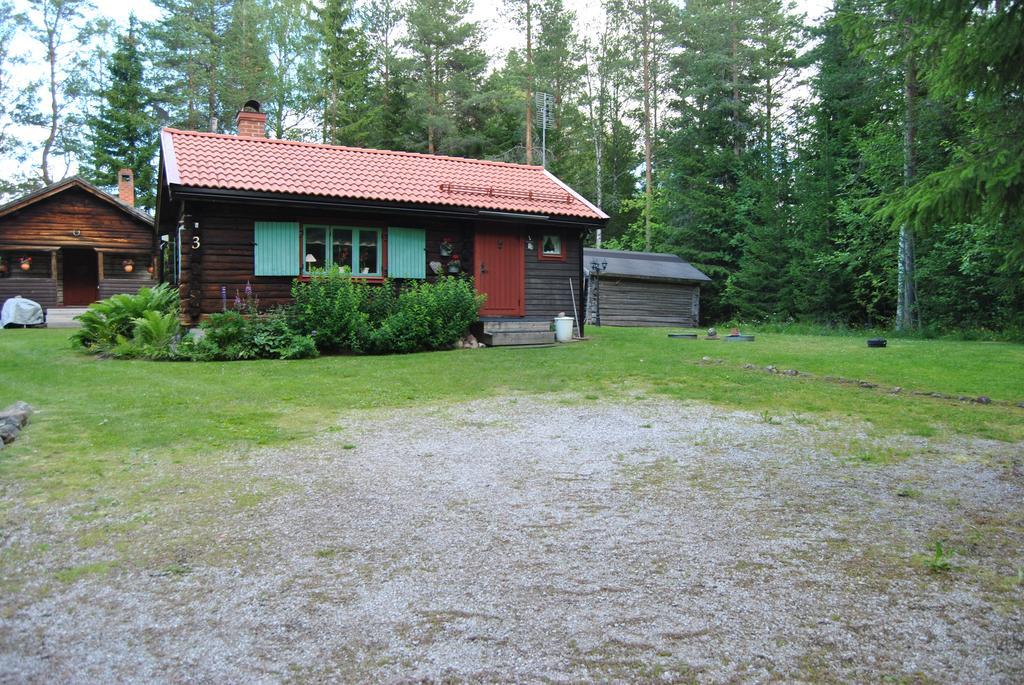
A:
123	133
341	77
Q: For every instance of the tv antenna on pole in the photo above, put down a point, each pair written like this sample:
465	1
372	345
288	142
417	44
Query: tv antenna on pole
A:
545	105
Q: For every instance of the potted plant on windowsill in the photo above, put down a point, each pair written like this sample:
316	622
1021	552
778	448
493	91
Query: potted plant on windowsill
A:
25	263
129	265
447	246
455	264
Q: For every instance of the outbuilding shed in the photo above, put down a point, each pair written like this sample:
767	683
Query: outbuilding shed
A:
642	288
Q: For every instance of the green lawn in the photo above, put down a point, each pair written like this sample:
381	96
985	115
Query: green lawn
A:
99	417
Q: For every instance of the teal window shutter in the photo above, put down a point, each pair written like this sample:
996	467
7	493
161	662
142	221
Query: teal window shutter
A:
407	253
277	248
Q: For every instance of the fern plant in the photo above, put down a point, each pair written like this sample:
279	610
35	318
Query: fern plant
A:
110	324
153	333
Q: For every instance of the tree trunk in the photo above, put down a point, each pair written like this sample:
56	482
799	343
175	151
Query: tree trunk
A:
735	79
596	128
906	297
647	33
529	82
51	55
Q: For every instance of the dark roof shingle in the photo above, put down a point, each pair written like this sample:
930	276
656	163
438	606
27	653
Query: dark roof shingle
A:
649	265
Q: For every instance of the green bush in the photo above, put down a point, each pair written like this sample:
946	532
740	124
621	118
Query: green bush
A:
231	335
428	316
109	326
343	315
332	309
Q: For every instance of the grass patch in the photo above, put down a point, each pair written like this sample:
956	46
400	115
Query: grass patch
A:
938	560
75	573
105	422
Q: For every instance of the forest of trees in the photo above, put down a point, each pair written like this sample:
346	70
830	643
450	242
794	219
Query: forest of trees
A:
864	170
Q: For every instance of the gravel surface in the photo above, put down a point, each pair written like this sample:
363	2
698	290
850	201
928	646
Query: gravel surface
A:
558	540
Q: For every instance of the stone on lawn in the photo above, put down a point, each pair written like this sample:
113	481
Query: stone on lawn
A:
13	419
20	411
983	400
9	429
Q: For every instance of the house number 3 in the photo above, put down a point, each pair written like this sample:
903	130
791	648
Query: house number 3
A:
195	242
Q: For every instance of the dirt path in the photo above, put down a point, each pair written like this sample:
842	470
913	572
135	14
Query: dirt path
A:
558	541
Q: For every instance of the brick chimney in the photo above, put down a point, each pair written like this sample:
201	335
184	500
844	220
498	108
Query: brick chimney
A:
126	186
251	122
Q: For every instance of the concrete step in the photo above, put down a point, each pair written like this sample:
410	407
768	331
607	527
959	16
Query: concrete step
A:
63	317
514	325
513	337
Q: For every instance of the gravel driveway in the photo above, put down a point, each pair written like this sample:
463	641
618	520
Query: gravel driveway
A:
559	540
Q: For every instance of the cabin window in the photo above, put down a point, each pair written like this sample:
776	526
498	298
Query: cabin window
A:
551	247
350	249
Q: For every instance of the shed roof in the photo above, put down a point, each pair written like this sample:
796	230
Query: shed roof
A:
66	184
644	265
220	161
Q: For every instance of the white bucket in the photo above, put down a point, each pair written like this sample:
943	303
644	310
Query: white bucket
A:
563	328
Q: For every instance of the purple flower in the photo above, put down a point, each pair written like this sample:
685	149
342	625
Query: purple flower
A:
248	290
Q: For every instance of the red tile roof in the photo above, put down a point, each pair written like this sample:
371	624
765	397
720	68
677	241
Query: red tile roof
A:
213	160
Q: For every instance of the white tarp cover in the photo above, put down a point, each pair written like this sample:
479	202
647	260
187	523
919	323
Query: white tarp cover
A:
21	311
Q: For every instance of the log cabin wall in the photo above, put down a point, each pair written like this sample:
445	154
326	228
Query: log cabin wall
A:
72	218
636	302
226	256
547	280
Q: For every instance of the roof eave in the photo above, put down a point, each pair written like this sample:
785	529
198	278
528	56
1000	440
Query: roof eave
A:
60	186
295	199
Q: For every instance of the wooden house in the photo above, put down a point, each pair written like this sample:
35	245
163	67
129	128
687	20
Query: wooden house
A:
70	244
245	209
642	288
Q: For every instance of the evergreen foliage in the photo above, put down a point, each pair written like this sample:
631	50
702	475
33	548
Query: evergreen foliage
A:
123	132
784	159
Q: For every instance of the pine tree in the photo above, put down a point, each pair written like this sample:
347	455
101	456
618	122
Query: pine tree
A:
123	133
390	85
189	44
247	69
447	66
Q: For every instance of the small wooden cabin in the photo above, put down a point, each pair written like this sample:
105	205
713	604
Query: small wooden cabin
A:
245	209
71	243
643	288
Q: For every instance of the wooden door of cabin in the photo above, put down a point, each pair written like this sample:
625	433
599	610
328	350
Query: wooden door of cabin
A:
499	270
81	277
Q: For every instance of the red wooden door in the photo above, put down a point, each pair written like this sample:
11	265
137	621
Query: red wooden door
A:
81	277
499	270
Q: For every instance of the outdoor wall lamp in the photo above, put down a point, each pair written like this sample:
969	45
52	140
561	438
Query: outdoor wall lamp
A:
529	242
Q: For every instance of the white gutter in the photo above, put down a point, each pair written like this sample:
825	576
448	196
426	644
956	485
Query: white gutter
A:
597	210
